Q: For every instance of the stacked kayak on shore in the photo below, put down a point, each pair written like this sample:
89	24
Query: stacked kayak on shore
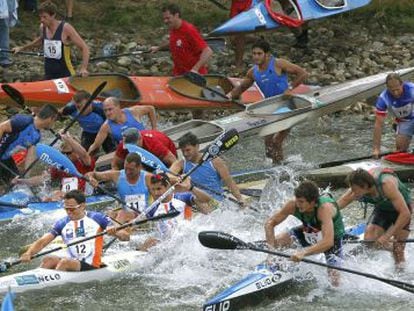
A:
268	15
160	92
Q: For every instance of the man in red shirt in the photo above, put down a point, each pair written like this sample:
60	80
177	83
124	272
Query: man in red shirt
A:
188	49
153	141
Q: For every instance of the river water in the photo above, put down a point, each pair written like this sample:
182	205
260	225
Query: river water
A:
180	274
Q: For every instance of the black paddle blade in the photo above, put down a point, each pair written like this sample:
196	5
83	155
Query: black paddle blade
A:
14	94
220	240
195	78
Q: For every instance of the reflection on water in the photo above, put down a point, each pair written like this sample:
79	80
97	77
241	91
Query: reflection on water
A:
181	274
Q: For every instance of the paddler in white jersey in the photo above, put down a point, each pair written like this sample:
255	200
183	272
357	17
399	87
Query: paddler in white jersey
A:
185	197
132	186
77	225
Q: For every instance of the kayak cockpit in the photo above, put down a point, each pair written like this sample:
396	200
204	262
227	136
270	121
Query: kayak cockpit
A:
279	106
332	4
118	85
184	87
205	131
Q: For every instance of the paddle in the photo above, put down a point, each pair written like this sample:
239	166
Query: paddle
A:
216	44
119	55
373	241
339	162
219	5
8	264
22	53
55	158
222	240
220	145
200	81
97	91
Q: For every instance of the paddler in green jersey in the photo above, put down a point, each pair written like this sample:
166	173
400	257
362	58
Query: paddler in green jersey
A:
392	213
321	231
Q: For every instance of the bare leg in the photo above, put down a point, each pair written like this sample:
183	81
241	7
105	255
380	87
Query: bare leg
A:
398	251
402	142
50	262
66	264
274	146
125	216
69	8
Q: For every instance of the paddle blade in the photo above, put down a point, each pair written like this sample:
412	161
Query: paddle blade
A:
14	94
224	142
53	157
220	240
147	158
195	78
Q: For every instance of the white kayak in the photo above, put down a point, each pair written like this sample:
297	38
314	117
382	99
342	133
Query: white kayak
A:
39	278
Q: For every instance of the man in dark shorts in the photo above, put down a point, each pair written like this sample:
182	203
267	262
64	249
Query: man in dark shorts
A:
321	231
392	213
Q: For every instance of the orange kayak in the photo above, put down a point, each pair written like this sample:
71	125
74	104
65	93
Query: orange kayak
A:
161	92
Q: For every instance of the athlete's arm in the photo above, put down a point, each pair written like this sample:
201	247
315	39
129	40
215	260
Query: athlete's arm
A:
77	148
5	127
299	73
140	111
276	219
391	191
379	121
177	167
243	86
37	246
204	57
224	173
100	138
74	37
94	177
345	199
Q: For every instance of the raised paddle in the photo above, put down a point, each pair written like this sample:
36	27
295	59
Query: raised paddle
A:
95	94
340	162
55	158
222	240
200	81
8	264
219	5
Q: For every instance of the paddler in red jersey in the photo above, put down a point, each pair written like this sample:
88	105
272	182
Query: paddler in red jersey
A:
189	50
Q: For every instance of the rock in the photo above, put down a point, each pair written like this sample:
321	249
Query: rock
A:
103	66
131	46
124	61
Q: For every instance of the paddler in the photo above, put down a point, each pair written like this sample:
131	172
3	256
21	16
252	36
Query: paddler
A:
22	132
183	199
153	141
391	217
90	120
271	76
132	184
56	36
211	175
80	158
321	231
76	225
399	99
189	50
118	120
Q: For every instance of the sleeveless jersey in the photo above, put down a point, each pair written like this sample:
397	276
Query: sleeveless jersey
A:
57	55
269	82
117	129
135	195
206	175
73	230
90	123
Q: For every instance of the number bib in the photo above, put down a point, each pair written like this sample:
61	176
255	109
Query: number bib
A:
52	49
404	111
82	250
69	183
136	201
313	237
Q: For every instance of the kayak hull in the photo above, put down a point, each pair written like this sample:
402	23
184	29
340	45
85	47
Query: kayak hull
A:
161	92
39	278
258	18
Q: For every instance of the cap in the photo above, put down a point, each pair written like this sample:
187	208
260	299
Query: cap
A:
131	135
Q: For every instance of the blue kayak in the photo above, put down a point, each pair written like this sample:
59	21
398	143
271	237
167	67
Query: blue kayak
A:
258	17
21	204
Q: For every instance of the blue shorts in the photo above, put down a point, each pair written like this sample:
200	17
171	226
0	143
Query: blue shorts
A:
406	128
333	256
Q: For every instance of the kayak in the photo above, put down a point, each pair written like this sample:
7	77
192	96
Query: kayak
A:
267	280
267	15
336	175
39	278
28	208
161	92
277	113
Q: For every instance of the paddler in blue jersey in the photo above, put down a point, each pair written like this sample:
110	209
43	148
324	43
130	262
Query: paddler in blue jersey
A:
90	120
132	184
391	217
183	199
210	175
321	231
399	99
76	225
271	76
118	120
22	132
